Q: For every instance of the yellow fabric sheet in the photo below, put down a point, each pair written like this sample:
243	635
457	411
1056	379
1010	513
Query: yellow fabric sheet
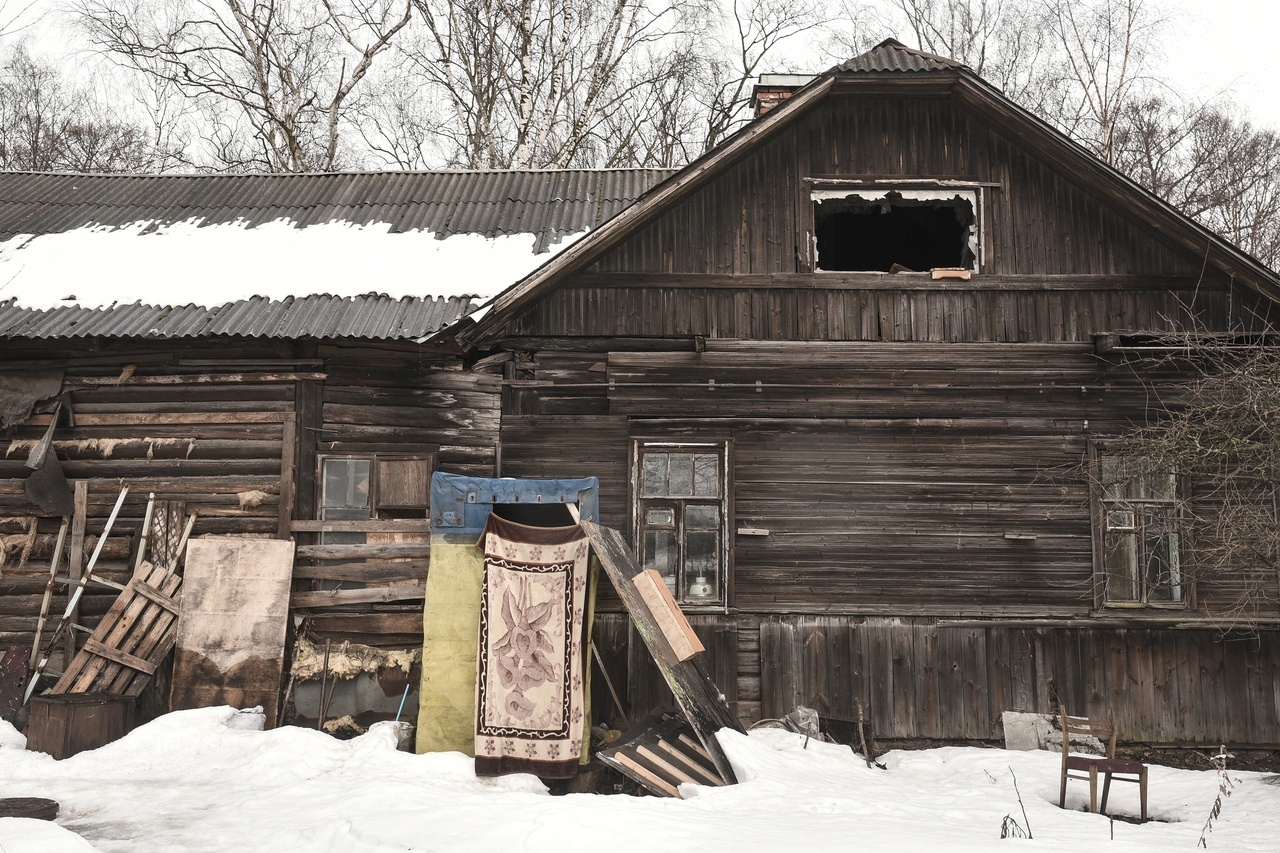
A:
450	626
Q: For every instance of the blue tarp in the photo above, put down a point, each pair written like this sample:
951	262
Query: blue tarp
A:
461	505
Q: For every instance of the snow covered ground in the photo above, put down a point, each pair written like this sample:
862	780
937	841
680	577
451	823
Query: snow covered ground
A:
187	782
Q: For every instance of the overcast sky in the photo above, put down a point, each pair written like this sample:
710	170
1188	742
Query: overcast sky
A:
1210	47
1226	44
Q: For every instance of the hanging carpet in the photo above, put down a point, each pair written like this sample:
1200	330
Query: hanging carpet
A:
529	674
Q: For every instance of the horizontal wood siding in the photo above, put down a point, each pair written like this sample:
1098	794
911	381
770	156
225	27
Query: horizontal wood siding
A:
196	432
888	308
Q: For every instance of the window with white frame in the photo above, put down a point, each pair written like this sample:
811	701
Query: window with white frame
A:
681	504
1140	543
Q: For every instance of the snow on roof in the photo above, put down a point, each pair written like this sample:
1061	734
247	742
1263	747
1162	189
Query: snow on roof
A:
366	255
211	265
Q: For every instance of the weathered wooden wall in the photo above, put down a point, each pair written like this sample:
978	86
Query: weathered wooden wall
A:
237	439
913	448
752	219
202	428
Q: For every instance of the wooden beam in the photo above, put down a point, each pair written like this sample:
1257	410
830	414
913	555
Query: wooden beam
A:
364	572
372	525
368	551
370	595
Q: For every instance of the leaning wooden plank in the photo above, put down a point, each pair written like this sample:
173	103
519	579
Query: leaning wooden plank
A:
645	773
74	598
92	646
667	615
703	703
708	777
677	773
113	631
48	593
235	608
114	647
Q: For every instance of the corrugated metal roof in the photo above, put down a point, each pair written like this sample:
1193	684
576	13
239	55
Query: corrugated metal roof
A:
372	316
549	204
893	55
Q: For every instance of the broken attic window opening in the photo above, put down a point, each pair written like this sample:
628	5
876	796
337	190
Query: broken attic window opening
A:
870	230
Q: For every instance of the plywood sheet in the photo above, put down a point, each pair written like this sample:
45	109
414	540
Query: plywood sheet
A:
231	630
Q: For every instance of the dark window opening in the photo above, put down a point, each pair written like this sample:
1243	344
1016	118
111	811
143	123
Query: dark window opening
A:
536	515
891	233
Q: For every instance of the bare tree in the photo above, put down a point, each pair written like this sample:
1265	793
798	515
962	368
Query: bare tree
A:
47	124
535	83
756	28
1105	45
282	71
1221	433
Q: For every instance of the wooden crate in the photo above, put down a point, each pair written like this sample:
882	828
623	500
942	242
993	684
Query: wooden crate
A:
65	724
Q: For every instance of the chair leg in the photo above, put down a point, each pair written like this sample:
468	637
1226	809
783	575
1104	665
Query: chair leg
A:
1106	790
1062	798
1093	789
1142	792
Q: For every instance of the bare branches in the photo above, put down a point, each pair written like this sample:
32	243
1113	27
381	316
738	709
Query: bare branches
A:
47	124
1222	434
279	73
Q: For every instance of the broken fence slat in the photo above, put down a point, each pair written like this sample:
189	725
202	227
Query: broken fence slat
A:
148	591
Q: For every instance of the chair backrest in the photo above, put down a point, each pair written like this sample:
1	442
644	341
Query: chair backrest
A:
1103	730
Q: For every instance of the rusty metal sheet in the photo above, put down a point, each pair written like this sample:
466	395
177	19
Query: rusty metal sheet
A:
231	630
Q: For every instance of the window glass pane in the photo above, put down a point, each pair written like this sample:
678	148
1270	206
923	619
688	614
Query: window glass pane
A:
706	475
653	476
1112	474
1120	559
1157	486
702	563
702	517
1163	562
660	554
681	473
345	483
664	516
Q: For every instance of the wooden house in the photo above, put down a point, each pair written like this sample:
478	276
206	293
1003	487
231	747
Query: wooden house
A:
866	485
839	378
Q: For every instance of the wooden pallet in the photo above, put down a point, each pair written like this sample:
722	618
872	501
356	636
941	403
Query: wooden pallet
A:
131	640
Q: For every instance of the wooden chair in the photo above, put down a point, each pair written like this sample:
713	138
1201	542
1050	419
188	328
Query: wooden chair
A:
1109	766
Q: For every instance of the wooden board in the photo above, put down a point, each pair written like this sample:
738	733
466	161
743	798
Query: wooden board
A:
134	636
231	630
702	702
661	754
667	614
